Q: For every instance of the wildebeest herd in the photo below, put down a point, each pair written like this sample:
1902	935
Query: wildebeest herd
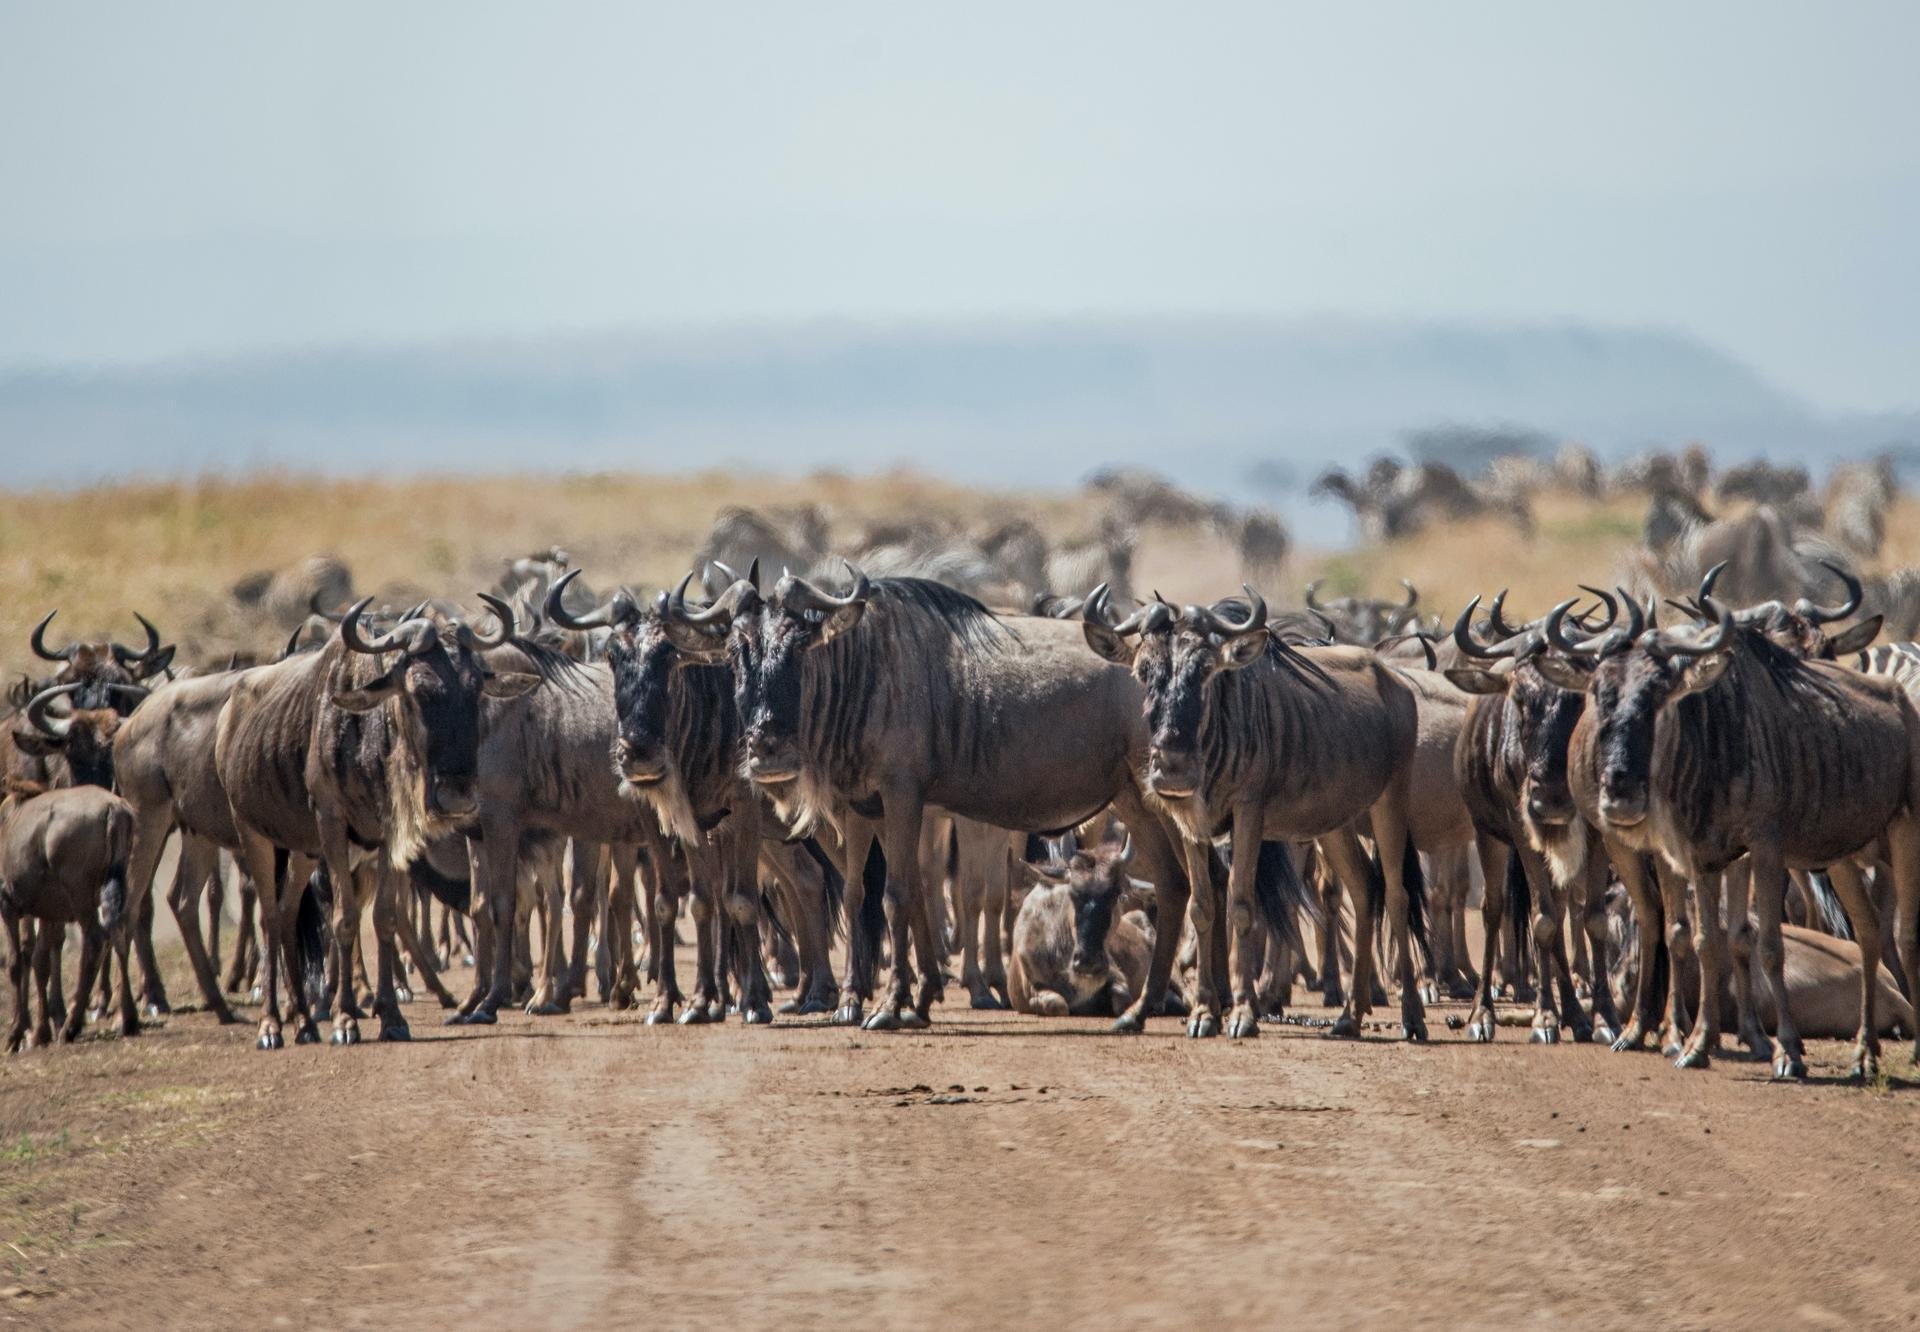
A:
1676	816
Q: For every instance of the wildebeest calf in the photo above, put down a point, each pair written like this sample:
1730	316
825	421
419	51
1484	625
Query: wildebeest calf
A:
63	860
1080	945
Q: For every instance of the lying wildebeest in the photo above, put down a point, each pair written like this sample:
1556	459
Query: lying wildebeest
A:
902	694
1256	737
1082	943
63	860
1701	746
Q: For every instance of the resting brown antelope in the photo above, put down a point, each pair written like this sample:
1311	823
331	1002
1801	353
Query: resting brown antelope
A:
63	860
902	694
1081	940
1703	745
1266	741
366	745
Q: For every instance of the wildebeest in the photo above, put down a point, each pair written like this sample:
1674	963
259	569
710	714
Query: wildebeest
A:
1263	740
900	694
1700	746
63	860
367	746
1082	943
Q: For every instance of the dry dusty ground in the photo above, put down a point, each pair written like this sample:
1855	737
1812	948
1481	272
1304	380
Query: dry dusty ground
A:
995	1170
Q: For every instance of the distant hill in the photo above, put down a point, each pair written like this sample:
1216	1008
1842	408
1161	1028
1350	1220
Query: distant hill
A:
1215	401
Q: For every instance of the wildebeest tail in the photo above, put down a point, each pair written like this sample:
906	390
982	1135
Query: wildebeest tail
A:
113	897
834	887
867	931
1414	877
1282	895
1519	893
1827	903
456	893
310	934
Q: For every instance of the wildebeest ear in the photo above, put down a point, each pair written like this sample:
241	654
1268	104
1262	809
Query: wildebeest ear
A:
159	662
704	649
32	740
372	694
1856	638
839	622
1244	649
1562	672
1701	672
1046	873
1137	896
509	684
1476	679
1116	648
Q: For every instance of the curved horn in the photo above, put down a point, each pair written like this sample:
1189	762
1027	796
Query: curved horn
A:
1636	617
387	642
137	693
1707	581
1557	634
1498	620
127	656
37	717
1313	587
313	608
618	610
1721	636
509	624
1463	633
39	642
803	595
719	614
1824	614
1256	614
1607	600
1413	595
1126	849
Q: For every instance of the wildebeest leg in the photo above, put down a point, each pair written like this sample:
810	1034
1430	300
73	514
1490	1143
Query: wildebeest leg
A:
1674	910
803	897
1247	940
622	897
860	837
93	950
199	863
1592	887
1548	929
494	860
1709	943
1858	900
18	968
995	877
389	923
1203	1020
1737	886
1394	842
1156	859
705	1004
245	943
900	837
410	939
1631	868
1331	914
1347	863
968	902
1769	900
47	980
257	860
669	886
589	889
1903	837
351	888
153	987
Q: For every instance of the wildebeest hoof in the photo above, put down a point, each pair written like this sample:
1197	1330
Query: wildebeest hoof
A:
659	1017
1604	1035
1582	1033
482	1017
395	1031
1430	993
1242	1026
695	1015
403	994
153	1010
912	1019
1128	1024
1545	1034
1583	991
757	1015
882	1019
95	1014
548	1009
1415	1031
270	1039
847	1015
1480	1026
1789	1068
254	994
346	1033
1203	1026
1694	1056
984	1000
1333	997
1866	1067
1461	990
1672	1049
790	1007
1346	1027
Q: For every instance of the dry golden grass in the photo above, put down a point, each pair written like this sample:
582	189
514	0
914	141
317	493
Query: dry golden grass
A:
174	550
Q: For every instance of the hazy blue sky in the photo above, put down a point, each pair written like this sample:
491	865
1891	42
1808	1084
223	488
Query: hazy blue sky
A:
187	178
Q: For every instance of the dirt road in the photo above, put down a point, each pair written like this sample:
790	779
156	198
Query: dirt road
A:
995	1170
